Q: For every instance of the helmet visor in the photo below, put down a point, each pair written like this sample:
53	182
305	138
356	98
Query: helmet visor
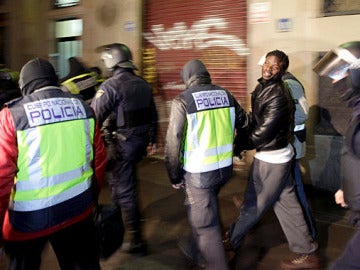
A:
108	59
335	63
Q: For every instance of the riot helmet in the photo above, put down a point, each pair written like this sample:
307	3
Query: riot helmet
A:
354	72
116	54
335	63
339	63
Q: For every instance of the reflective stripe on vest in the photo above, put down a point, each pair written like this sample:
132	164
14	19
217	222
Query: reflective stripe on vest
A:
48	178
299	127
75	85
208	148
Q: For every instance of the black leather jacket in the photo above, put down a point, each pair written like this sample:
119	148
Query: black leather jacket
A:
272	116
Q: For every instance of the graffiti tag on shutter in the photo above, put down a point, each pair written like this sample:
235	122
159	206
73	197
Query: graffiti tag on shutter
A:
198	36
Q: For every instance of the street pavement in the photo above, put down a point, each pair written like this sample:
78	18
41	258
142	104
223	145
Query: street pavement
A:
165	223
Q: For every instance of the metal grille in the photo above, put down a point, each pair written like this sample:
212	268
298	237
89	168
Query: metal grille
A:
214	31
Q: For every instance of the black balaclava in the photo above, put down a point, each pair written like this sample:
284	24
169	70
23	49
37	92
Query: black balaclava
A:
35	74
195	71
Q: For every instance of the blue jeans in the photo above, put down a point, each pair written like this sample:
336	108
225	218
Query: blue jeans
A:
349	259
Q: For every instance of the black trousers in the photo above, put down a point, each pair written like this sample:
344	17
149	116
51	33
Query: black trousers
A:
75	247
123	180
349	259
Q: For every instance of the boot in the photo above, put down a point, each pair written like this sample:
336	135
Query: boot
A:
137	245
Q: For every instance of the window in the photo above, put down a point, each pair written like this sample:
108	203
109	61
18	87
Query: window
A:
68	35
65	3
341	7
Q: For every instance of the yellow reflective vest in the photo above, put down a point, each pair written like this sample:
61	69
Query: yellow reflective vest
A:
210	131
55	134
84	85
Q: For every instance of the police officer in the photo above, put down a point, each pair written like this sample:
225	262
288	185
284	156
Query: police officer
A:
51	157
199	155
130	98
97	73
80	80
338	64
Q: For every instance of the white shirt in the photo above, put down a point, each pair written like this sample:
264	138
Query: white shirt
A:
278	156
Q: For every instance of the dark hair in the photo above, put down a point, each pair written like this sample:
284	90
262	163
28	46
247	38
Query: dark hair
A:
283	58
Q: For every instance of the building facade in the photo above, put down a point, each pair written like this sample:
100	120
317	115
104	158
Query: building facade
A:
229	36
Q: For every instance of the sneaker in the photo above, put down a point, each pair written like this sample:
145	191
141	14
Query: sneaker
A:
302	262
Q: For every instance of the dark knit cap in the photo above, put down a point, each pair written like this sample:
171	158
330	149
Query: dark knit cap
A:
37	73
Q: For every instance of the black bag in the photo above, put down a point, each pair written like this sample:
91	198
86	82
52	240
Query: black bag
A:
110	229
